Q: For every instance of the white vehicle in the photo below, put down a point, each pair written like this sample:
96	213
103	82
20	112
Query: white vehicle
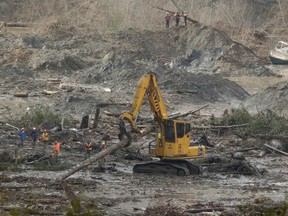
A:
279	55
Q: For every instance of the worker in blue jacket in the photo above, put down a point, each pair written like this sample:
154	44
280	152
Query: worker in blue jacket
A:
22	136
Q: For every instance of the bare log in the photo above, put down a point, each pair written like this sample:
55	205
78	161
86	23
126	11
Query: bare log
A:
13	25
173	12
109	104
21	94
187	91
204	210
46	92
76	86
188	113
270	136
100	155
12	126
97	157
123	143
277	150
108	113
246	149
54	81
218	127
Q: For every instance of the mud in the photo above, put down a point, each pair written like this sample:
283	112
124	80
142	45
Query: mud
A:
195	67
120	192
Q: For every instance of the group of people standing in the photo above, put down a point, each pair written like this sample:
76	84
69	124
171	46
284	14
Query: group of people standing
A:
177	16
44	138
33	135
100	148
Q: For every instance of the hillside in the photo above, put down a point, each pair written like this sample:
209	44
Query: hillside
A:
257	24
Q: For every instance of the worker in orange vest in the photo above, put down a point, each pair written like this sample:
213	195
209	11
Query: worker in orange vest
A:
45	138
56	150
88	147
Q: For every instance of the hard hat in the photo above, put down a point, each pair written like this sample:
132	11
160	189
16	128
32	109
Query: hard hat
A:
103	142
34	128
22	129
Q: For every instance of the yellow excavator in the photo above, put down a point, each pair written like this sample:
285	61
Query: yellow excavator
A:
173	144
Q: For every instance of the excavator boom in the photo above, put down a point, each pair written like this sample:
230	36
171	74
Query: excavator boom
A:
147	85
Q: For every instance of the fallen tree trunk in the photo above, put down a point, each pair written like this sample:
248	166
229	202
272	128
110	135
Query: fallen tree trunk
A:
269	136
97	157
13	25
110	104
173	12
21	94
46	92
218	127
277	150
187	91
68	190
188	113
204	210
12	126
75	86
100	155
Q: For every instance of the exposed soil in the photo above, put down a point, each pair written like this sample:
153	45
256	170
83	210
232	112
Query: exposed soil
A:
195	67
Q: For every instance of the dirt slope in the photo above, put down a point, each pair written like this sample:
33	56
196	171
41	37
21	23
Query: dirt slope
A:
195	59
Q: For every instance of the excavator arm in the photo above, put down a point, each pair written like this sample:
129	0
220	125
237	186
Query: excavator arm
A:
147	85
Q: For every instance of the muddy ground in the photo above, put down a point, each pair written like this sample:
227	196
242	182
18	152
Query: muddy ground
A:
74	74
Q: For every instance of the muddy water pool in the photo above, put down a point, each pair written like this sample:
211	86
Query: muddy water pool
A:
255	84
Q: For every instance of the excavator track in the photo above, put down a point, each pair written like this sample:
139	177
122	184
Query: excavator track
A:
171	167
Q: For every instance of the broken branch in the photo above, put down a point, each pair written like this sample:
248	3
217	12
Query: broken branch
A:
277	150
189	113
218	127
173	12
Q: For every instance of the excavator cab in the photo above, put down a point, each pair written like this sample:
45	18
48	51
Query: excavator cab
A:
174	142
